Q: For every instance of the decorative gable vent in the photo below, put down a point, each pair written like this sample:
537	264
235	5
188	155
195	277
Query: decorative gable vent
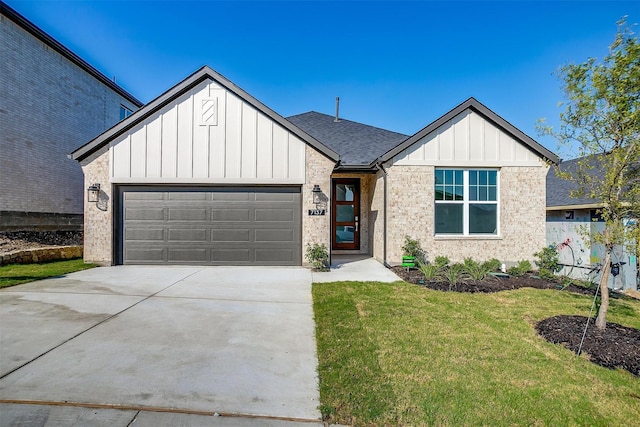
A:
209	116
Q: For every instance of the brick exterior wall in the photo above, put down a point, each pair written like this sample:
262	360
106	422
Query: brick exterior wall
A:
48	108
376	216
316	229
98	217
410	210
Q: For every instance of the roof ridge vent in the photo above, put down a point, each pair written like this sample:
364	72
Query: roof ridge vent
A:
337	119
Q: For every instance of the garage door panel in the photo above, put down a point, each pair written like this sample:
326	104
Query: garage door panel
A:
285	235
275	197
274	215
143	234
144	255
211	226
187	195
274	256
233	235
142	214
188	214
197	255
231	255
188	235
231	215
228	196
144	196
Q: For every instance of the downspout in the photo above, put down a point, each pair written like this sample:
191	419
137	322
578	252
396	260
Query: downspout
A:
384	205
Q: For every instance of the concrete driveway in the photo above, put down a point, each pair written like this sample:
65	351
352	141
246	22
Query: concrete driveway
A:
192	340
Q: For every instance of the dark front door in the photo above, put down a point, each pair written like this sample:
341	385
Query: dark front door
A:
346	214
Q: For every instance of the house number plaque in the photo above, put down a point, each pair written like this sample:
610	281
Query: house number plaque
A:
317	212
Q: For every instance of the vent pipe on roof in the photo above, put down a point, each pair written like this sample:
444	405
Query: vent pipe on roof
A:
337	119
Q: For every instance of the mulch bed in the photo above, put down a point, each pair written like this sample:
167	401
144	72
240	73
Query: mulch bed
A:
615	347
490	284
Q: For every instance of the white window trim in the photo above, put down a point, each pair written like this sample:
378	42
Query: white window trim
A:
465	202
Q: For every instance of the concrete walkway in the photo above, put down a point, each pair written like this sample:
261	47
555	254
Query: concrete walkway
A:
355	268
160	346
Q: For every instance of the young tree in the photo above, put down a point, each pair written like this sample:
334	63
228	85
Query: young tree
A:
602	119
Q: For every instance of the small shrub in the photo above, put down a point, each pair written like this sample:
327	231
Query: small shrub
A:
546	274
430	271
493	264
441	261
453	274
475	270
318	256
521	269
412	248
548	262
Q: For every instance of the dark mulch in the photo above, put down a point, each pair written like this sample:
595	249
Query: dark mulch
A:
615	347
490	284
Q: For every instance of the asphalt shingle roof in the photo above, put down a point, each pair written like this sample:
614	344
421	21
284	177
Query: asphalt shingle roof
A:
356	143
558	189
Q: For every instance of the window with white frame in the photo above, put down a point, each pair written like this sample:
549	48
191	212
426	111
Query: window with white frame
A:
124	112
466	202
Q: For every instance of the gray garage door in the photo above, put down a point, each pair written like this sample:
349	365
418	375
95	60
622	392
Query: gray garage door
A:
210	226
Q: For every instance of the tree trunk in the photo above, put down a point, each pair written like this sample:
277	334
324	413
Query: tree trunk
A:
601	320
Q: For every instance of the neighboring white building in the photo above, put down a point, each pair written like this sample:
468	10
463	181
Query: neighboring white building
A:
51	101
568	220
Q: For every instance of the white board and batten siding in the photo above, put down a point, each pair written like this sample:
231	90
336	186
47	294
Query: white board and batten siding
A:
208	136
468	140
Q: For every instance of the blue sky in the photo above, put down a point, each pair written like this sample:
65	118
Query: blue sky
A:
396	65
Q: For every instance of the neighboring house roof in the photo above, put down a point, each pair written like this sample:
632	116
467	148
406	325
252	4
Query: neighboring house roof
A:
559	190
65	52
481	109
183	87
359	145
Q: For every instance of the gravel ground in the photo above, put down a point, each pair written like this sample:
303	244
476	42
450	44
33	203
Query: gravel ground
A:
21	240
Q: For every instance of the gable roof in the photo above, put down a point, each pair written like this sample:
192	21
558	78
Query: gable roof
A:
481	109
559	190
184	86
32	29
358	144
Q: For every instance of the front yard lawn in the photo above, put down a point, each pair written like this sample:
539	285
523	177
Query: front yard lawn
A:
15	274
400	354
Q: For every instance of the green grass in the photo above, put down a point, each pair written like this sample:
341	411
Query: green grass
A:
15	274
398	354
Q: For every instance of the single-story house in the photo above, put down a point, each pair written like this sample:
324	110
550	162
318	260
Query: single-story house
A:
207	174
569	218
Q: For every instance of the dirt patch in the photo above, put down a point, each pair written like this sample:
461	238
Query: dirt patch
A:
615	347
22	240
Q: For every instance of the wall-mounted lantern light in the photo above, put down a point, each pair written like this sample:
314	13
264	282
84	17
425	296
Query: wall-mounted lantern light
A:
317	194
93	192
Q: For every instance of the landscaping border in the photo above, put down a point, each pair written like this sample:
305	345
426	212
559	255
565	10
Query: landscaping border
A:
45	254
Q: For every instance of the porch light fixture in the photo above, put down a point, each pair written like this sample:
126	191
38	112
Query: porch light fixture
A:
317	194
93	192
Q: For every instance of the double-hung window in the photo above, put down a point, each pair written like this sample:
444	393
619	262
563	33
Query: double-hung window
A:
466	202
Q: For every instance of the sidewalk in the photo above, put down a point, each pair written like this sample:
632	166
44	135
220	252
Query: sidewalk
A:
356	268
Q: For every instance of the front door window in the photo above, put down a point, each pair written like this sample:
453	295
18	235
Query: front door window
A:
346	214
